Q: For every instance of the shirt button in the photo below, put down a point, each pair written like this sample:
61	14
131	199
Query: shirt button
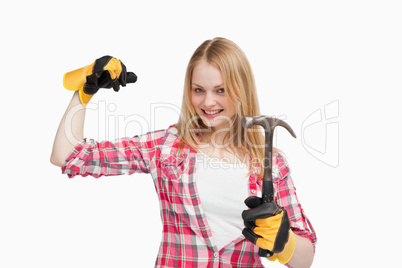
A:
216	254
253	191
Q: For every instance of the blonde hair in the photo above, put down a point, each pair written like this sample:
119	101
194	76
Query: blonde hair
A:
240	90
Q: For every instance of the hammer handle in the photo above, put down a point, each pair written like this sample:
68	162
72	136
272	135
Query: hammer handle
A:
267	184
267	192
267	196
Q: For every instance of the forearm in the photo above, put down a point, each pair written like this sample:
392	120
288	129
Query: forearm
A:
304	253
70	131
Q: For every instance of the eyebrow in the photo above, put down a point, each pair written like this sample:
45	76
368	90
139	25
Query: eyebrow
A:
219	86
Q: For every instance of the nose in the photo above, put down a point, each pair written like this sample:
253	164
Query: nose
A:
209	100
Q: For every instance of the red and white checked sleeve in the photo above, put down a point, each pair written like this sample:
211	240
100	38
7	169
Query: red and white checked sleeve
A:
123	156
285	196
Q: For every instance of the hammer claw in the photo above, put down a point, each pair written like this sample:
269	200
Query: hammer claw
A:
286	125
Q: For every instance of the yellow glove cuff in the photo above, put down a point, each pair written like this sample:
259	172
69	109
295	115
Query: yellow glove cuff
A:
74	81
287	253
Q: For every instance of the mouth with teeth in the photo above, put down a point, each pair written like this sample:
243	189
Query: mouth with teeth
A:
211	113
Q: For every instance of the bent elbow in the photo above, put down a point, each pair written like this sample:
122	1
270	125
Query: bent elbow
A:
56	161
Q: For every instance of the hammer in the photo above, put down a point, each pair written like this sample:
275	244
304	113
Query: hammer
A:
269	124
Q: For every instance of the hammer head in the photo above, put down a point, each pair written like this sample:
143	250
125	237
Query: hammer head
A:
267	122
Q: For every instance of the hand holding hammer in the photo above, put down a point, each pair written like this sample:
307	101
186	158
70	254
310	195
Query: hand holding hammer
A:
267	224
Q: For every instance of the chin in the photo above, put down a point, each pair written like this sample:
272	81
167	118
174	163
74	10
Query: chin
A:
215	125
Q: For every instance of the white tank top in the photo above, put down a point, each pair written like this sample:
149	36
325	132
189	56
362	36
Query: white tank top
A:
222	189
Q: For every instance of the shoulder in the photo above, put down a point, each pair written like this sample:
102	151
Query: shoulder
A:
276	150
280	165
279	157
160	133
156	138
171	144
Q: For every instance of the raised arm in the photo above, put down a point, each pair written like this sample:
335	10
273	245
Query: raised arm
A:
70	131
105	72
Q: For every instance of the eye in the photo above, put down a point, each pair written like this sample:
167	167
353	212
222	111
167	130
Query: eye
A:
198	90
221	90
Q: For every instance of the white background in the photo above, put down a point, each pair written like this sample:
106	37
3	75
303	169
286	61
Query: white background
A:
306	55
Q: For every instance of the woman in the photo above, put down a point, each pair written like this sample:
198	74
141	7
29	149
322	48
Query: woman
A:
206	158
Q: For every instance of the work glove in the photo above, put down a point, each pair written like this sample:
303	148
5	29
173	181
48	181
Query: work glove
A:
268	227
105	72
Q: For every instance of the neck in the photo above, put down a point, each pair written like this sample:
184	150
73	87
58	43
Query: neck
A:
218	138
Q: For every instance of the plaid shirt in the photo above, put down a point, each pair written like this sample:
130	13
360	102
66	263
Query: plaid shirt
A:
186	239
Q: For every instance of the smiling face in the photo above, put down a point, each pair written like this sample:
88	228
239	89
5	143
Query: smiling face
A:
208	96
